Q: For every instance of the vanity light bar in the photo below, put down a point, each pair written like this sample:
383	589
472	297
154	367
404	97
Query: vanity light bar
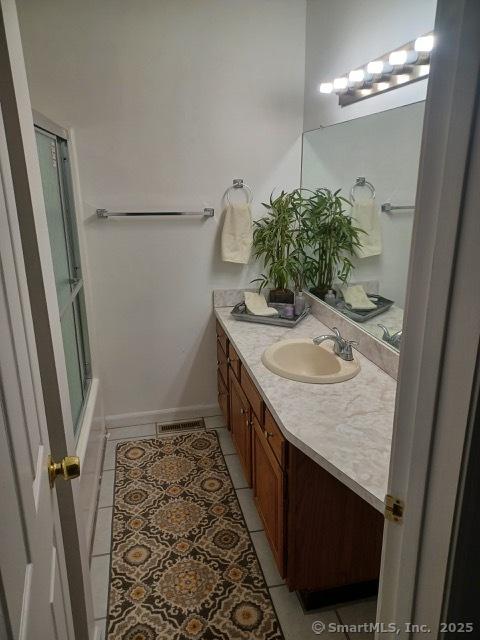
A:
400	67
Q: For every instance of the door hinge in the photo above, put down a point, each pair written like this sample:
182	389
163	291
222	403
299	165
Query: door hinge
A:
394	509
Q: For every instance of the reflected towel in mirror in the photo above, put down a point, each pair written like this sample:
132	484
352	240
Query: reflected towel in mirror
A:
365	216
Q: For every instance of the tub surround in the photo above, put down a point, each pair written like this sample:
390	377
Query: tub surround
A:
346	428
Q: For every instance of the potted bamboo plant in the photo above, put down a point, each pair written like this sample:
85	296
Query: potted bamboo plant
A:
330	239
275	239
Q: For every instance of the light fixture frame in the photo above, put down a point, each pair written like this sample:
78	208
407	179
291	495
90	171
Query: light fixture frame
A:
417	71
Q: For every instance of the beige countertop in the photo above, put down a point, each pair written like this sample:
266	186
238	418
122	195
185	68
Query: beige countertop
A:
345	427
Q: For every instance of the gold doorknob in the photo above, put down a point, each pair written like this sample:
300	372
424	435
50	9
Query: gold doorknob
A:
69	468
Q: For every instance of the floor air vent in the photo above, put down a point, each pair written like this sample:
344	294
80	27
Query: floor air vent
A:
190	425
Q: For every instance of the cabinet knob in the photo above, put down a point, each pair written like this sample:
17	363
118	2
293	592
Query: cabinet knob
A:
268	434
229	360
242	411
218	362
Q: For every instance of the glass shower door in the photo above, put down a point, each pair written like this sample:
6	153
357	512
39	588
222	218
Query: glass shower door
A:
53	157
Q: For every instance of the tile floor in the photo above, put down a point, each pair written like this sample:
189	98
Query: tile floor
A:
296	624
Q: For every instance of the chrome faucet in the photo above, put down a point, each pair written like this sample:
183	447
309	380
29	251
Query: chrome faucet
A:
394	339
342	347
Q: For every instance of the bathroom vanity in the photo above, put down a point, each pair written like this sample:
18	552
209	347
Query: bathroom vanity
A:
316	457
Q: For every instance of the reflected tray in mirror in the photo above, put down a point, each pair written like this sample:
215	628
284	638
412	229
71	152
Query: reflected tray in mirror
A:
239	312
383	304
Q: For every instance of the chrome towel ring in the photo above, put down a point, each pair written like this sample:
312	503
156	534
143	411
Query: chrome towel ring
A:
238	183
361	182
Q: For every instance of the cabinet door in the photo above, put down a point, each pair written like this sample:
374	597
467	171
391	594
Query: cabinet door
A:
240	426
269	493
223	400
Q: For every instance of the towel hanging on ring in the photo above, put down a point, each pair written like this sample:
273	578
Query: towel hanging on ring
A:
237	234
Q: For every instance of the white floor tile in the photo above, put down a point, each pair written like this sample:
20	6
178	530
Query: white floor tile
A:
249	510
102	628
105	498
358	613
235	470
103	532
297	625
99	570
267	561
215	422
129	433
109	459
226	442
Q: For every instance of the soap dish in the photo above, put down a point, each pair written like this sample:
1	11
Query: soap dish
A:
239	312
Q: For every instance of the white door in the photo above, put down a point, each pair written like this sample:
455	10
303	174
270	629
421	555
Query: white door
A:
45	577
32	562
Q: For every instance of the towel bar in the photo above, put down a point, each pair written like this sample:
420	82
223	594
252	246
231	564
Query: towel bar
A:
388	207
105	213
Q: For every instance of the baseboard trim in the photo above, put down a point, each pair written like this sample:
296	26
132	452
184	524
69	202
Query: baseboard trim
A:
162	415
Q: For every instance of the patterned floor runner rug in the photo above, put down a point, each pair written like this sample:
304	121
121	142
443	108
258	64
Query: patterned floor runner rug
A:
183	564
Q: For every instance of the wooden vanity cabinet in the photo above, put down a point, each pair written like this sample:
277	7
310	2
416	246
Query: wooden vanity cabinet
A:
325	539
334	536
269	483
241	426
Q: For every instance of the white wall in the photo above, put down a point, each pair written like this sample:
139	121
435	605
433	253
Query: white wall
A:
169	101
345	34
385	148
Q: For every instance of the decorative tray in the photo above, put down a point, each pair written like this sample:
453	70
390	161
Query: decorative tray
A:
383	304
239	312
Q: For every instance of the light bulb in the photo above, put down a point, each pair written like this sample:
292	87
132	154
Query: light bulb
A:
375	67
398	58
402	57
326	87
424	44
339	84
357	75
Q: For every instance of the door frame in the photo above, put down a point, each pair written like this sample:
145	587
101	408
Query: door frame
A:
23	159
438	360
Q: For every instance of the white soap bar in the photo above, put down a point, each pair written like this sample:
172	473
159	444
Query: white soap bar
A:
257	305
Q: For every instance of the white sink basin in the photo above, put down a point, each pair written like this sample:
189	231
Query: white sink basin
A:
304	361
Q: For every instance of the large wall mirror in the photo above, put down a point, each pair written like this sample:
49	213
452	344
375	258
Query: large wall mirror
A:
378	156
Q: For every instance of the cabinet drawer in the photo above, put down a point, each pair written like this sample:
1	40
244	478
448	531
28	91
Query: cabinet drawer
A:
275	438
250	390
234	360
222	362
223	397
222	337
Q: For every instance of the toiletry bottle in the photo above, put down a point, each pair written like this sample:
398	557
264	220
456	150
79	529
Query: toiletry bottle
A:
299	303
330	298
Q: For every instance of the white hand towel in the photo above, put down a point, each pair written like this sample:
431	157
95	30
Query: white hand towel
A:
257	305
356	298
237	234
365	216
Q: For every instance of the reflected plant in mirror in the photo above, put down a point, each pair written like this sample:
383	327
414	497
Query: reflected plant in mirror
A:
383	147
328	238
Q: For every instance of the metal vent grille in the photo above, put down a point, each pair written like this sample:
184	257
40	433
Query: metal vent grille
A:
191	425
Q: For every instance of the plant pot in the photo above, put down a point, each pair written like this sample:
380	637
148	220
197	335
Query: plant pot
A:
282	295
